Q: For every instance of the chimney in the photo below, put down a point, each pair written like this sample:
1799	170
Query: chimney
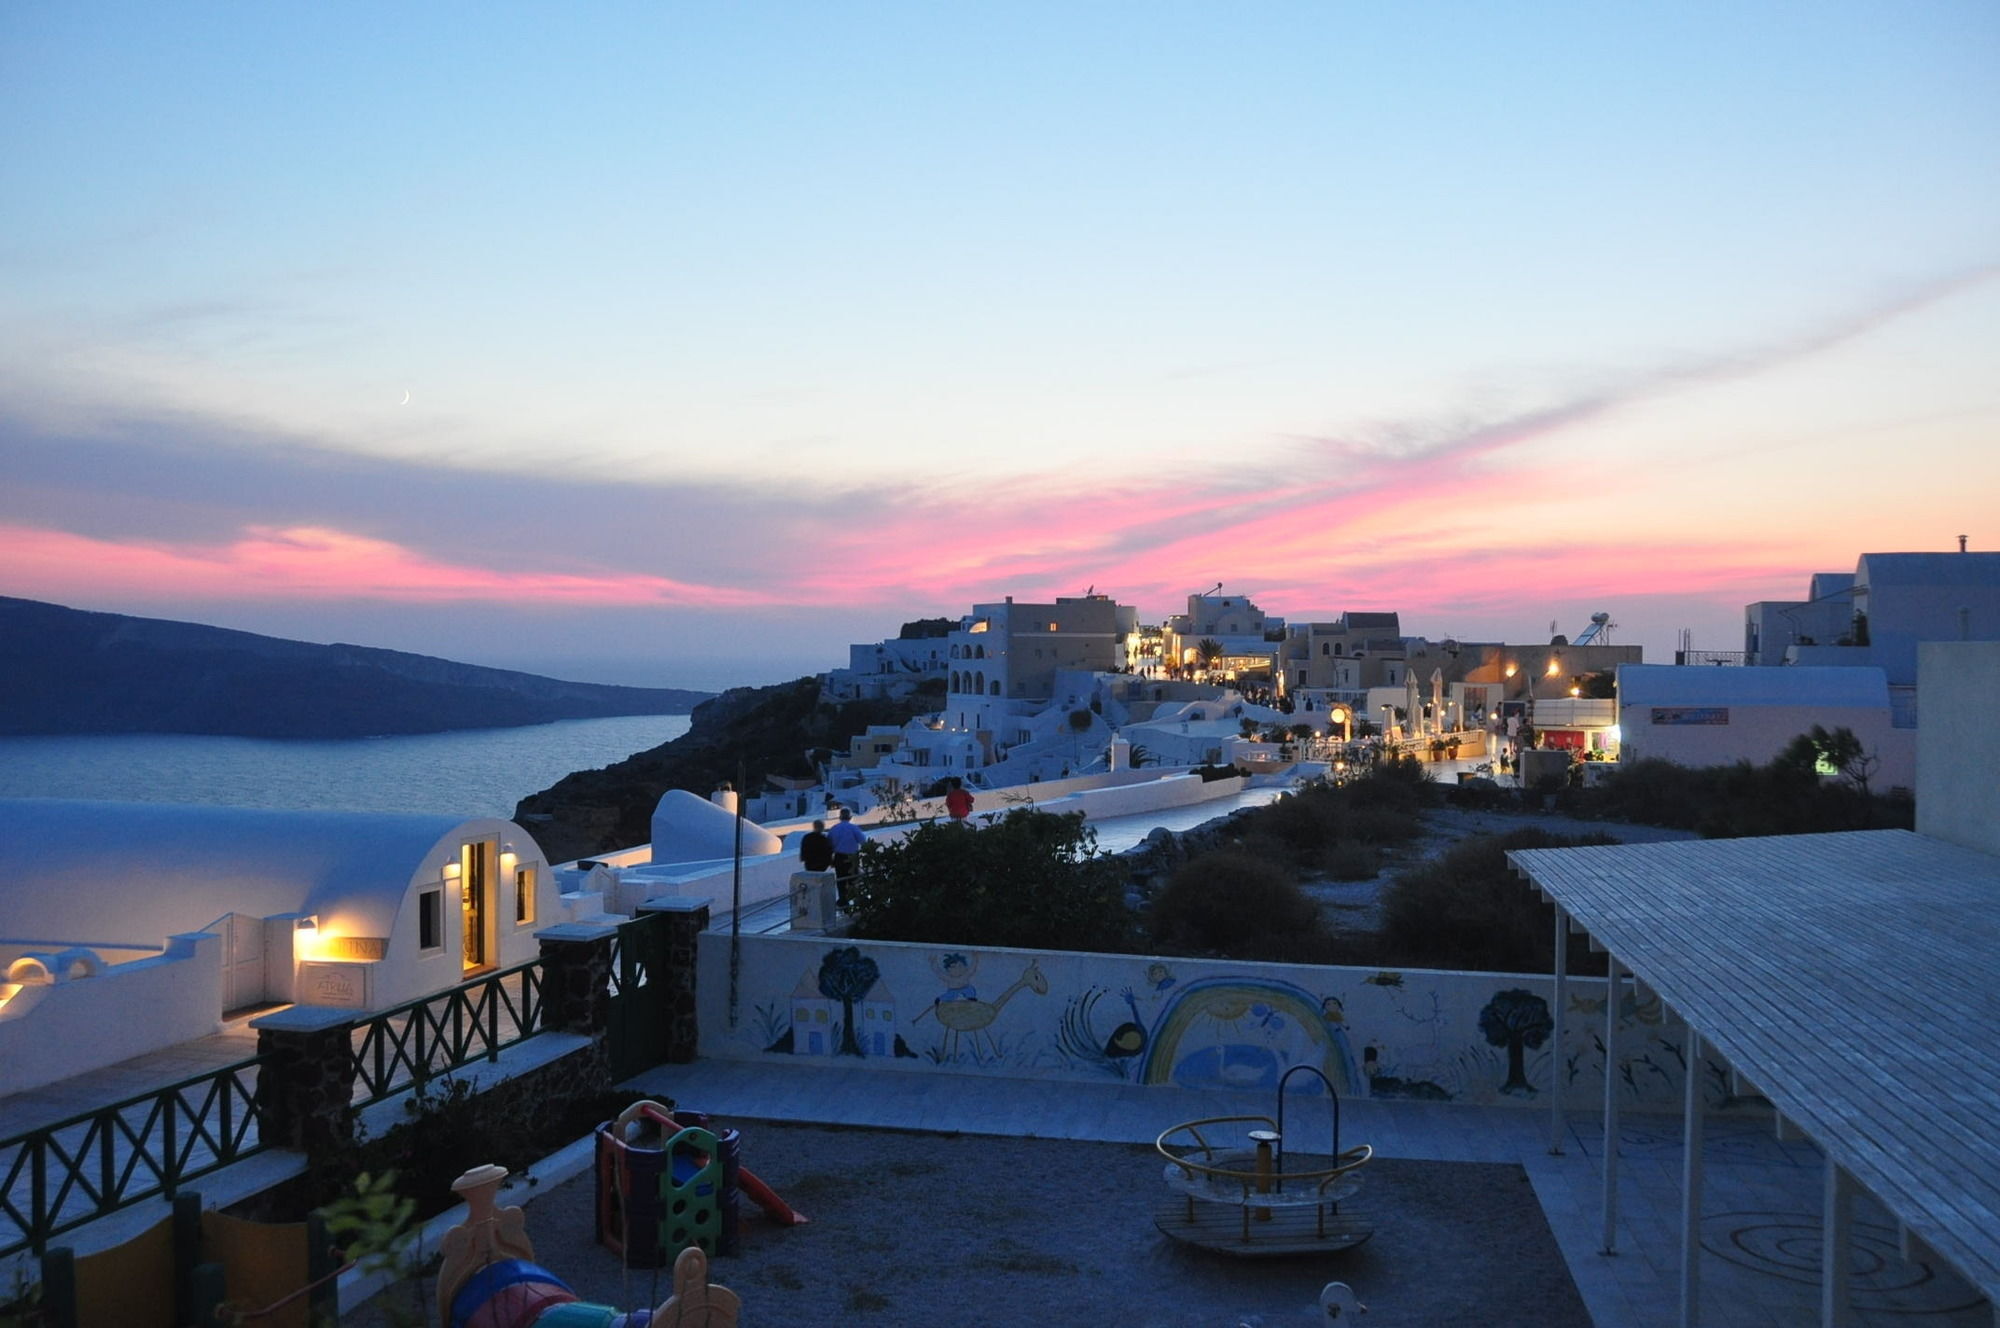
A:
1961	544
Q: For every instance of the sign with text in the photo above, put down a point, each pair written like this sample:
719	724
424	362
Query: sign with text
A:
1690	714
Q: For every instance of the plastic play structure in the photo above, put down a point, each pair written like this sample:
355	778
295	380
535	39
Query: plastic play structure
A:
1260	1200
668	1179
488	1278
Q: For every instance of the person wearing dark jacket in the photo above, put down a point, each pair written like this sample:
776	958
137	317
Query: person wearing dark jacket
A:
816	849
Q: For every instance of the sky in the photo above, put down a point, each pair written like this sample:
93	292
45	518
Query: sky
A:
684	344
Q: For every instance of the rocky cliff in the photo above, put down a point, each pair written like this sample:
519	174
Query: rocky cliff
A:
68	671
739	737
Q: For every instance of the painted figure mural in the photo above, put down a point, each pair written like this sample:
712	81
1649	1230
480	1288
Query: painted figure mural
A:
1442	1037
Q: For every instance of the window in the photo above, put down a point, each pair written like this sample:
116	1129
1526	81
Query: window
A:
430	920
524	896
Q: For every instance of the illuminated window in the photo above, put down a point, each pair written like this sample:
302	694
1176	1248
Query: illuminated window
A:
524	895
430	920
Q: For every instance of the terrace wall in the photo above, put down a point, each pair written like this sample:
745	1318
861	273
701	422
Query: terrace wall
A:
1434	1036
77	1024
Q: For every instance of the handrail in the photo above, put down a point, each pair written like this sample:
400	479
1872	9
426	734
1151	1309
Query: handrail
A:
410	1043
81	1168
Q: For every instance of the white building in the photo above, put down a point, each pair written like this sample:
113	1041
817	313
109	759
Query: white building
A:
125	927
1719	716
1005	657
1878	616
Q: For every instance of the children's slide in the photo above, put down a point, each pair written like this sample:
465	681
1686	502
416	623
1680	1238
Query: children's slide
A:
767	1199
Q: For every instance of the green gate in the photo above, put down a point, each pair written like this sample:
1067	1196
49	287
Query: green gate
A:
637	1022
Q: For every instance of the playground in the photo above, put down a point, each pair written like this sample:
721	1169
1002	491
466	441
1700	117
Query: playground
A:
908	1227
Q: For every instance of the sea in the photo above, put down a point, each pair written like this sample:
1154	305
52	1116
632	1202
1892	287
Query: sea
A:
471	772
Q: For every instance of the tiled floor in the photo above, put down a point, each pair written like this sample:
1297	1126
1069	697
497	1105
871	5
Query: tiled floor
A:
1761	1202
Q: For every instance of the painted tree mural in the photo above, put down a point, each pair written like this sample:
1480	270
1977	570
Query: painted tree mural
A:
845	975
1516	1019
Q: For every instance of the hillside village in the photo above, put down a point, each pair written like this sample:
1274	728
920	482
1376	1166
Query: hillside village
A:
181	921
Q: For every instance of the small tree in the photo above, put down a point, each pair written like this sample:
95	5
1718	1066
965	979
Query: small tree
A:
1209	651
845	975
1516	1019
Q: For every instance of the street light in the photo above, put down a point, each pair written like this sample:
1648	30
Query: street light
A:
1340	715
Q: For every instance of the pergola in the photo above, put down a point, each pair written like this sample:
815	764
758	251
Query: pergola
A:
1854	979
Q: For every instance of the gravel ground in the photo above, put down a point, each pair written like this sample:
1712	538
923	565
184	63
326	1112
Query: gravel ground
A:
1356	905
920	1229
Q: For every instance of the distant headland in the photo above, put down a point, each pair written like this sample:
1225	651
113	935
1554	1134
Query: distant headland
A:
67	671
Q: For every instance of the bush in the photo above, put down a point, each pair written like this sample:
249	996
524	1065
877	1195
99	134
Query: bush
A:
1723	802
1467	909
1350	860
1032	879
1233	904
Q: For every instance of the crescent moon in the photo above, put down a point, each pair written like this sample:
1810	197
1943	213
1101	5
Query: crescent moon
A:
406	398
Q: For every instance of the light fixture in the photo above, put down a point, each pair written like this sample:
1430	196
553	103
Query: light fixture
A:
1512	668
308	923
452	871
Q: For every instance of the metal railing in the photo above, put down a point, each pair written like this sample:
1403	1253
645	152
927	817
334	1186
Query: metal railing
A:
416	1041
57	1177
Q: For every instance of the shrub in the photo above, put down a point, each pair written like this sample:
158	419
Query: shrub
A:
1781	798
1350	860
1032	879
1234	904
1467	909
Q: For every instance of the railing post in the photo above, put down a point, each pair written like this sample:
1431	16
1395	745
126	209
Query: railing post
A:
490	993
685	921
576	977
308	1084
576	986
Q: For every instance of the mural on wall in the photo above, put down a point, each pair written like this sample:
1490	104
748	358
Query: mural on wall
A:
1210	1024
961	1014
841	1009
1236	1032
1516	1019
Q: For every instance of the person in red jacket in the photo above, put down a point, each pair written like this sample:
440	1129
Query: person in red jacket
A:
957	801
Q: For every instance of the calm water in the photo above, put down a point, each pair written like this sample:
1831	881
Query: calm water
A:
476	772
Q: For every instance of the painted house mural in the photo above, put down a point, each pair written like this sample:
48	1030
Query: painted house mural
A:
1483	1038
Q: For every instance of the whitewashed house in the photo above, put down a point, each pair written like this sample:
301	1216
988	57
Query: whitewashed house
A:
125	927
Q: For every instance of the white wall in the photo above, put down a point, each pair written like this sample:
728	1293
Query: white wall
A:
51	1032
1199	1023
1757	733
1958	743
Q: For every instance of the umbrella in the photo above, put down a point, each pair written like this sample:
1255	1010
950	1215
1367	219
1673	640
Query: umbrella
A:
1437	700
1413	706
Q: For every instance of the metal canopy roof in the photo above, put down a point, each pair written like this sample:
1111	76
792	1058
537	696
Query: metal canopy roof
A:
1855	978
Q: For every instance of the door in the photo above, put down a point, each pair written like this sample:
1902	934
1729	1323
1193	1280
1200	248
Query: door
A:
476	876
242	961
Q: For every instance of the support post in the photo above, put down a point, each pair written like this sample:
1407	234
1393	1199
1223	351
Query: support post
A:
576	977
1613	980
1836	1245
1557	1087
680	1009
1692	1108
309	1085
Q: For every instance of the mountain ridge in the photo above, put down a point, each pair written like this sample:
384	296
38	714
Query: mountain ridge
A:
67	671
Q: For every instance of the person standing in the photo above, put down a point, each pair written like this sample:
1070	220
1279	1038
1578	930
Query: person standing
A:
846	839
957	801
816	849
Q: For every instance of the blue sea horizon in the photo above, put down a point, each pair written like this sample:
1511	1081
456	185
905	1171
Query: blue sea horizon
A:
470	772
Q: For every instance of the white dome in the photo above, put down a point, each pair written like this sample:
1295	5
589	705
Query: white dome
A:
688	828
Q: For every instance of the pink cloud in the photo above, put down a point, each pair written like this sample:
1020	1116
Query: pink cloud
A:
315	563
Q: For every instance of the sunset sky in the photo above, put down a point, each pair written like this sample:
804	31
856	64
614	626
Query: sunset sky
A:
684	344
